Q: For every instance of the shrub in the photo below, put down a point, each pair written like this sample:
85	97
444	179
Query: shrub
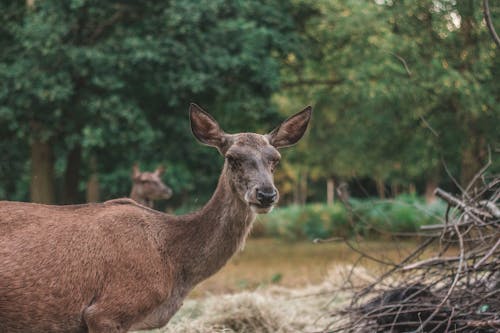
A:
367	218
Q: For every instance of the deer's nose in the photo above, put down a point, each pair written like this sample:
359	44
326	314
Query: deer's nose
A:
266	196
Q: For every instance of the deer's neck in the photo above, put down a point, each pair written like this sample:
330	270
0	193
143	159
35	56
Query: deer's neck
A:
136	194
213	234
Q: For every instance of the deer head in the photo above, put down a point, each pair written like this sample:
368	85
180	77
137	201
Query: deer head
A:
250	159
148	186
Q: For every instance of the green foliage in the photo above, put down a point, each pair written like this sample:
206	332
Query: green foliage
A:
114	79
404	214
398	86
370	218
306	222
276	278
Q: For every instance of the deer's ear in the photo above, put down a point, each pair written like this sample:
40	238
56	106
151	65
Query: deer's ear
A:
136	172
291	130
160	170
206	129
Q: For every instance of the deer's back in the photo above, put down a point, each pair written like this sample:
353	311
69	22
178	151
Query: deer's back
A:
57	260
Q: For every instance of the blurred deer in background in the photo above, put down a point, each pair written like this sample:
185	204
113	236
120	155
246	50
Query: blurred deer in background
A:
148	186
118	266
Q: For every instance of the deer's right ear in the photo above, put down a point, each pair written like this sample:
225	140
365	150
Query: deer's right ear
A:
160	170
206	129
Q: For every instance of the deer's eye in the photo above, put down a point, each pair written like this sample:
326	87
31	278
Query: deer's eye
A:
274	163
233	161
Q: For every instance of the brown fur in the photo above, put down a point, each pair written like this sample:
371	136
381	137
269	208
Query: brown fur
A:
117	266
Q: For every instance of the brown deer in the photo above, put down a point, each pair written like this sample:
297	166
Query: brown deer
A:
119	266
148	186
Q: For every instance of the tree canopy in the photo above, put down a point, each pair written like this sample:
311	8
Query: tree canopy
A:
400	86
88	88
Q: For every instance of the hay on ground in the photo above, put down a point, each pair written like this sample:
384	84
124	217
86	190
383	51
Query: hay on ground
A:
268	310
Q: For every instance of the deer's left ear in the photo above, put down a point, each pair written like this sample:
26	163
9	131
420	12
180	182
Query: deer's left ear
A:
291	130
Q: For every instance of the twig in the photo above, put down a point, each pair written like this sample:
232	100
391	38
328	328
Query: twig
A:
448	172
487	18
450	290
403	61
430	262
456	293
458	203
490	252
327	240
481	172
486	323
449	320
491	208
429	126
410	257
369	256
100	29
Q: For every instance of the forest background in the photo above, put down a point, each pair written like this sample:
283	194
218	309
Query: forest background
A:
405	94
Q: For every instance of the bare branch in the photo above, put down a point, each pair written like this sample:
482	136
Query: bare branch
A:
429	126
101	29
430	262
489	23
403	61
450	290
311	82
459	203
489	254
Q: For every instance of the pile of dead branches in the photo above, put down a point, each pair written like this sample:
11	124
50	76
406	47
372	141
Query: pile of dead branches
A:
457	289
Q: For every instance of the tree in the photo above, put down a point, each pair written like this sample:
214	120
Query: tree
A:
398	87
110	82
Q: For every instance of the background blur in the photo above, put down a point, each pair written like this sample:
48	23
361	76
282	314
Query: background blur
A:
405	95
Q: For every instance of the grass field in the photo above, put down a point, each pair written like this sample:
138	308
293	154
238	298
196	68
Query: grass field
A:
266	262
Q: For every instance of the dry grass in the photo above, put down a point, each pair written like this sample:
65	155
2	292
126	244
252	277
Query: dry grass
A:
270	261
271	309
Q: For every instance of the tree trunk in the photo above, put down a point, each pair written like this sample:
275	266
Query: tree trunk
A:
296	190
72	176
472	156
431	183
303	187
412	189
380	188
330	191
93	182
394	189
42	172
